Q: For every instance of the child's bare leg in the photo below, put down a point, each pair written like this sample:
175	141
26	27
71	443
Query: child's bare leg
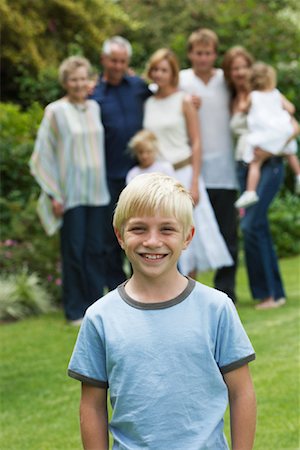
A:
253	175
250	197
295	166
294	163
296	126
254	170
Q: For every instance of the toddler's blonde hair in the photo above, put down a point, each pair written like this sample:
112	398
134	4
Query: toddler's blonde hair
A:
143	139
262	76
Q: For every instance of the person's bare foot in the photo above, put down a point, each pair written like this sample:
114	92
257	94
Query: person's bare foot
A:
270	303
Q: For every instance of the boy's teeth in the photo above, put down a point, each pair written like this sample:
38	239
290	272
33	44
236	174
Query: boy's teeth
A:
153	256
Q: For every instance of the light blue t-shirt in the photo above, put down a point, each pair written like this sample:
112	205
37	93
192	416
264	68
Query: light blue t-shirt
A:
163	364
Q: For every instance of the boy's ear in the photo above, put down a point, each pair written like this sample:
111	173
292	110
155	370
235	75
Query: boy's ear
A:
119	237
189	237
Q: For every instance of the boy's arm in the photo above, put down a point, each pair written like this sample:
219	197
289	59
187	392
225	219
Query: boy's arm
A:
242	408
93	418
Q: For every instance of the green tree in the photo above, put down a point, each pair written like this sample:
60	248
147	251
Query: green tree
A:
39	34
270	29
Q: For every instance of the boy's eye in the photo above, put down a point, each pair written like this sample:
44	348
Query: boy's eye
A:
168	230
137	229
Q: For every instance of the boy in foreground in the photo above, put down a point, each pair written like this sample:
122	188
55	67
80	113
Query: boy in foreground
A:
169	349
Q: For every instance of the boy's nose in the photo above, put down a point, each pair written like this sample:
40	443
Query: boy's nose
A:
152	240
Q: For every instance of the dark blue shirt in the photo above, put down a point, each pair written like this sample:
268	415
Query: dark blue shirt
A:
122	116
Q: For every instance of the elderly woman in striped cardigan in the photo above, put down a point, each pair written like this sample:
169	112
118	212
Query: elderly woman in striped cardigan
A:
68	163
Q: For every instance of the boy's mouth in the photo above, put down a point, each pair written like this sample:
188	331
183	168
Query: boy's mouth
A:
153	256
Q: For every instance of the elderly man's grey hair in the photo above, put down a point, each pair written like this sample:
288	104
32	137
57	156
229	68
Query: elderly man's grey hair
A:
116	40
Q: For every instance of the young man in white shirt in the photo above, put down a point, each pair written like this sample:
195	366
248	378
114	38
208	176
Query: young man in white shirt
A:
205	82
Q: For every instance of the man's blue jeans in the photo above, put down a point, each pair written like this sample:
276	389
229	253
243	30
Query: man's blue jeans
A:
261	260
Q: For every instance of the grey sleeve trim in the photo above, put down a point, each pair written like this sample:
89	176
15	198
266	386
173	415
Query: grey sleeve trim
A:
237	364
87	380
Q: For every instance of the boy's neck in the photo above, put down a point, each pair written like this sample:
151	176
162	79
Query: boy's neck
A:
156	290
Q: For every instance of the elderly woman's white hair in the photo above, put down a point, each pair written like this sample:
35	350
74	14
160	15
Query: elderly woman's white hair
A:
69	65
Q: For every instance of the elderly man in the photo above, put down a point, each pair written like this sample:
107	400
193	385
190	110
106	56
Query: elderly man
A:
121	97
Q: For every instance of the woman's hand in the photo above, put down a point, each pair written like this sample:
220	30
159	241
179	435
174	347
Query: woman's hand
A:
57	208
195	194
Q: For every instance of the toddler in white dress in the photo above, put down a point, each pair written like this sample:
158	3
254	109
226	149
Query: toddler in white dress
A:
271	128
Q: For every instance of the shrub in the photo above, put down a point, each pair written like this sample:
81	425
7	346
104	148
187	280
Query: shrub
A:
39	254
17	186
43	87
22	295
285	224
24	242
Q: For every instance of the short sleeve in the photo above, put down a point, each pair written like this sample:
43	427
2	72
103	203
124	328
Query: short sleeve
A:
233	347
88	361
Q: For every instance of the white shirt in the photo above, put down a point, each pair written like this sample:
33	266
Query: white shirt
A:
218	168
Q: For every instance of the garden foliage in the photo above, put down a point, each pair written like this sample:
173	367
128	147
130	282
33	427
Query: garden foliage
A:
22	295
23	241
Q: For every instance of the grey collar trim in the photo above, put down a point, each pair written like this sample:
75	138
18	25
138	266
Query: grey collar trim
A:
157	305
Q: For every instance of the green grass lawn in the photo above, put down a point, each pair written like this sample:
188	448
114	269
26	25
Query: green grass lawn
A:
39	403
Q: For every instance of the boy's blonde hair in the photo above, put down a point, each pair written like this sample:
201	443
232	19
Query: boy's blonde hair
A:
143	139
262	76
69	65
203	36
160	55
152	193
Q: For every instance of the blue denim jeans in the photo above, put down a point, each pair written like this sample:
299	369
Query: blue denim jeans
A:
83	265
261	259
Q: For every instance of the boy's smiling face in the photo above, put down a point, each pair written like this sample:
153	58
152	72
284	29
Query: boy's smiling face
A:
153	244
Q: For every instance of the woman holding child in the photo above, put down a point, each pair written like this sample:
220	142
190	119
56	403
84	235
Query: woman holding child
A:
170	114
262	263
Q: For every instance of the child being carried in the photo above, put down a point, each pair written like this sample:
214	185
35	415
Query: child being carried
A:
271	128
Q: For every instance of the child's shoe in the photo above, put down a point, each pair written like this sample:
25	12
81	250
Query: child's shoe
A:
247	199
297	184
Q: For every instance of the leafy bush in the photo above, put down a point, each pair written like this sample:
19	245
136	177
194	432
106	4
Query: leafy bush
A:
43	87
24	243
285	224
36	252
18	133
22	295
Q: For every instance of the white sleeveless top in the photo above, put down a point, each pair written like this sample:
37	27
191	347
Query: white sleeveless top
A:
165	118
